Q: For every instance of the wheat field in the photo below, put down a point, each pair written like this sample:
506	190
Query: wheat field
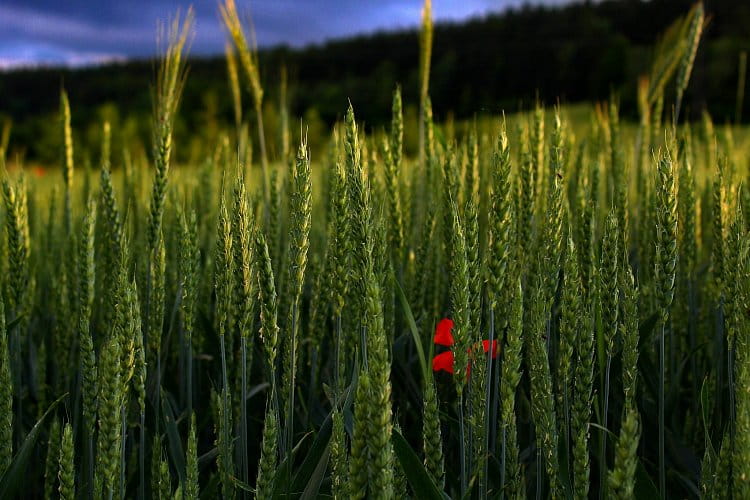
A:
548	304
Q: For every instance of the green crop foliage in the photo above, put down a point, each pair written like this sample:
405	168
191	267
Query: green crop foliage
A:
223	328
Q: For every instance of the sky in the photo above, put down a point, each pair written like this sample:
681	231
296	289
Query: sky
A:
86	32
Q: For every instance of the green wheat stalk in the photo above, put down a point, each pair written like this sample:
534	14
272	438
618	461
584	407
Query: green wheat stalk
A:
511	374
66	470
542	399
191	463
621	479
67	167
170	81
664	272
694	32
52	459
425	56
249	61
6	396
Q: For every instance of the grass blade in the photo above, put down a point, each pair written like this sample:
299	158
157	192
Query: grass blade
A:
415	472
14	478
413	329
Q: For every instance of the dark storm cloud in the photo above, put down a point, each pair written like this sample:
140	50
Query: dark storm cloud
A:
77	32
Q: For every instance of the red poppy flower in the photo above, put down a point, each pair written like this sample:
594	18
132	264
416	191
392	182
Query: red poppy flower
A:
443	336
443	362
486	347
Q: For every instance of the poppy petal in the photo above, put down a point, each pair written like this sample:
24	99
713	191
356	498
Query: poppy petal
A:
486	346
443	335
443	362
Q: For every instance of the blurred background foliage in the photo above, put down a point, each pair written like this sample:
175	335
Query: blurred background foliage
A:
581	52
